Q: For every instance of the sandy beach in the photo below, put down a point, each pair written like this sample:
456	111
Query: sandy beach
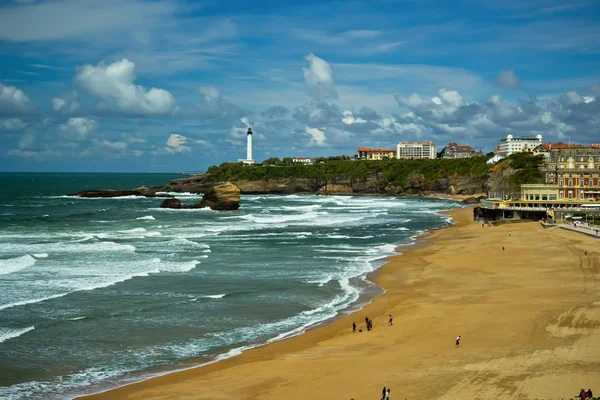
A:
529	318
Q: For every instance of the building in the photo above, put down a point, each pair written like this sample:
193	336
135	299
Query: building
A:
543	150
366	153
304	160
416	150
452	150
248	160
494	160
516	144
575	169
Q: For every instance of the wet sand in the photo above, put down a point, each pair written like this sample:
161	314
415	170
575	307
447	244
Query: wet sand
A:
529	318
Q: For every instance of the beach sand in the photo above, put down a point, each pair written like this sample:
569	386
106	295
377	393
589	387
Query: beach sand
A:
529	318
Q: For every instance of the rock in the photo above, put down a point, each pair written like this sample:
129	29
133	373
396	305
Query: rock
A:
171	203
141	191
332	188
470	200
224	196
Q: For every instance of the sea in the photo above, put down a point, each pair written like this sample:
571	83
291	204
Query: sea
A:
98	293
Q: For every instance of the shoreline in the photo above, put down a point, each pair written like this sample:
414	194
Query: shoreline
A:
529	318
364	300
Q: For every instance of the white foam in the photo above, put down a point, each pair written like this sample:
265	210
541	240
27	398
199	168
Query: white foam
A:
179	194
134	230
214	296
12	265
41	255
280	218
77	318
8	333
146	218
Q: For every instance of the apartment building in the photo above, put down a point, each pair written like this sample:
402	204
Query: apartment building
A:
416	150
366	153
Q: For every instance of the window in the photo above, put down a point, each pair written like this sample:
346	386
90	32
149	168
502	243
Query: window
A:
570	195
537	196
561	195
553	197
570	182
544	197
581	195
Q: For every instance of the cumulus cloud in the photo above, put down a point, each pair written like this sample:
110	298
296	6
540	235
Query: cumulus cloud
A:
317	137
447	116
78	128
12	124
66	103
13	101
113	83
318	77
508	79
177	144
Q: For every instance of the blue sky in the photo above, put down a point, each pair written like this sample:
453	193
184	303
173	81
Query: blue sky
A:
168	86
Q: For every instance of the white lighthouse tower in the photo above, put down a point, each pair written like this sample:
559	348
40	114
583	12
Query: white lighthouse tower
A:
248	160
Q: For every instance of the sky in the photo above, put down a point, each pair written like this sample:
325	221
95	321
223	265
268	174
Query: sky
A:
172	86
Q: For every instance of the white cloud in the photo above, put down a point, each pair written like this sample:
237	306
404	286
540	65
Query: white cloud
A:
12	124
78	128
117	145
508	79
317	137
66	19
14	101
27	141
176	144
67	103
318	78
113	83
349	118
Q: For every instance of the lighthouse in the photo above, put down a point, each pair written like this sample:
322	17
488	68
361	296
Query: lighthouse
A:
248	160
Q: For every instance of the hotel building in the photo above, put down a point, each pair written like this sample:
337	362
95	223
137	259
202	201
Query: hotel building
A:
416	150
516	144
366	153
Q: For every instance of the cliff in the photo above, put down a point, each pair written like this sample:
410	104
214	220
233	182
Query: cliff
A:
344	177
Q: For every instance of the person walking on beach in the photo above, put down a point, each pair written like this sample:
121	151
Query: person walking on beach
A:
503	249
391	321
354	327
509	233
387	394
458	341
585	253
383	394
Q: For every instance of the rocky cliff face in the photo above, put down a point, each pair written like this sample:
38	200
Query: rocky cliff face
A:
342	185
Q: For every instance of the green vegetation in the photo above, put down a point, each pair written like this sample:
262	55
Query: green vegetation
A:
390	171
527	167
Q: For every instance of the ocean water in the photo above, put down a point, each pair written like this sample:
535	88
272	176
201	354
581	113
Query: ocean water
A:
95	293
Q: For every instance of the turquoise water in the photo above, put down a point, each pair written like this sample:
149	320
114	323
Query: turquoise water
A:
95	293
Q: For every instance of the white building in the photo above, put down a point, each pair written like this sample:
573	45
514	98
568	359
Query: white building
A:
516	144
494	159
248	160
304	160
416	150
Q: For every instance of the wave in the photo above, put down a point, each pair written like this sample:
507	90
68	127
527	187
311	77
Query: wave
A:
8	333
41	255
183	242
152	266
12	265
77	318
179	194
146	218
280	218
214	296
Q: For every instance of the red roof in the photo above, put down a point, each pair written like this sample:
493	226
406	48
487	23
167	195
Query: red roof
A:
369	150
